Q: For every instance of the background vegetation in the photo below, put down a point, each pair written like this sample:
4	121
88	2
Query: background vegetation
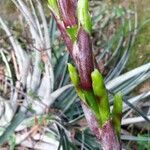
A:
69	127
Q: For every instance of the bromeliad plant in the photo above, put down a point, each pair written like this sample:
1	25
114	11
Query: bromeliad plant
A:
39	96
74	22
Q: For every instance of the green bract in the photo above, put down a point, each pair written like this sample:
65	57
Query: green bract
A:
118	103
98	83
73	75
53	6
72	32
84	16
92	103
75	80
117	112
87	97
102	96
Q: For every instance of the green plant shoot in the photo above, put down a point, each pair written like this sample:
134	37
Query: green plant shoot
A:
72	32
92	103
117	113
53	5
73	75
102	96
87	96
84	16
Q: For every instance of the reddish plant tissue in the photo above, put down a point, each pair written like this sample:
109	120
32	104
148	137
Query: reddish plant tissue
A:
83	58
106	135
81	50
109	139
68	12
82	55
65	37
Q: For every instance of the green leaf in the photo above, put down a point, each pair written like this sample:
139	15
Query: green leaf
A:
104	109
12	142
81	94
117	112
102	96
98	83
13	125
73	75
92	103
72	31
53	6
76	81
143	144
84	16
60	71
118	103
119	11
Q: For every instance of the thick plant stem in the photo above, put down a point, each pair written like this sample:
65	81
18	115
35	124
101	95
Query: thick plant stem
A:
106	135
88	82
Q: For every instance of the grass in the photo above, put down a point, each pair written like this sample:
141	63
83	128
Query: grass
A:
141	49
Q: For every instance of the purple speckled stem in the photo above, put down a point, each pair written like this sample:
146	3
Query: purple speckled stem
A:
83	58
106	134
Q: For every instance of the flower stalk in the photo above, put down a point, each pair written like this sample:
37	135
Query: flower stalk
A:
74	22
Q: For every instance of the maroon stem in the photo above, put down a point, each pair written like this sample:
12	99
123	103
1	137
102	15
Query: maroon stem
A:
83	58
106	134
68	12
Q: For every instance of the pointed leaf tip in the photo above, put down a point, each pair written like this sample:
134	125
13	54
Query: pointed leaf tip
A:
118	102
73	74
117	112
97	83
84	16
53	6
102	96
